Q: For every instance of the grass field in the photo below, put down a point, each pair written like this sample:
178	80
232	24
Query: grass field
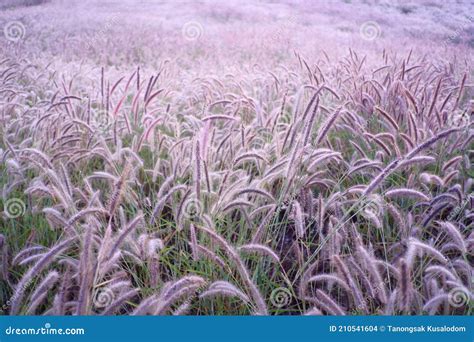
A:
237	158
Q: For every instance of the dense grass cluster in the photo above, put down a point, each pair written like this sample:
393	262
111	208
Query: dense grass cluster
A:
320	186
